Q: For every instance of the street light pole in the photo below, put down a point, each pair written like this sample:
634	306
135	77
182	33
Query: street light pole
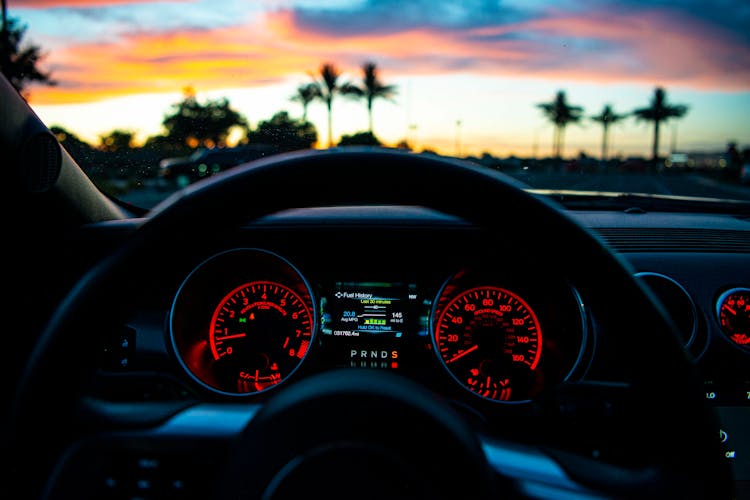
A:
458	138
413	136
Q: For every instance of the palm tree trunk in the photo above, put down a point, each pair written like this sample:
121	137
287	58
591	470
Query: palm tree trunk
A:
330	126
605	128
655	152
369	112
556	142
304	112
562	142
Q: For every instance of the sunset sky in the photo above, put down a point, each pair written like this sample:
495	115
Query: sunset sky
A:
469	73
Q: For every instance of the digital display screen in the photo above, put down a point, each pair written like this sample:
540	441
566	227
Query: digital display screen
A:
369	310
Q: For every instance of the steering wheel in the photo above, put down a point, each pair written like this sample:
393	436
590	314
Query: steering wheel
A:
61	436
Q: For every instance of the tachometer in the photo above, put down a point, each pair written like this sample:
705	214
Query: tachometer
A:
490	340
259	334
243	322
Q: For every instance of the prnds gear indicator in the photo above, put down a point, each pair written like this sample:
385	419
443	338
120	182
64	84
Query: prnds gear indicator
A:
371	324
490	340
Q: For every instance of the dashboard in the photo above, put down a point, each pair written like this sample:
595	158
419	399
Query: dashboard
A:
497	332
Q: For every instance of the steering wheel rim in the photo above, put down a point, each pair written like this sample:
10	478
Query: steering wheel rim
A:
666	378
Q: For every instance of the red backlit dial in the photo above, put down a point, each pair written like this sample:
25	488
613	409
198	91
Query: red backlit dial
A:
490	340
259	334
733	310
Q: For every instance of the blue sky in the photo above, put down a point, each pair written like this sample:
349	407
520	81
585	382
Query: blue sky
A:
469	73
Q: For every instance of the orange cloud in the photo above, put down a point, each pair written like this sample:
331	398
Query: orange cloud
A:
206	60
647	46
275	46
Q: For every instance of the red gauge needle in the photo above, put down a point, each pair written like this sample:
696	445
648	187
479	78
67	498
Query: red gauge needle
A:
730	310
234	336
462	354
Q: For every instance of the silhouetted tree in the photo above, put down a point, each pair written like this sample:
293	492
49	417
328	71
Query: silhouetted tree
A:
18	61
328	87
306	93
360	139
83	152
733	160
607	117
560	113
117	140
659	111
165	146
404	144
284	132
372	88
196	124
71	142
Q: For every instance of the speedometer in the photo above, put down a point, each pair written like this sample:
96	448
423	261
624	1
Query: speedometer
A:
490	340
733	313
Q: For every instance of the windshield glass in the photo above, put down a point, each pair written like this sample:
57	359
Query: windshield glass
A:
636	96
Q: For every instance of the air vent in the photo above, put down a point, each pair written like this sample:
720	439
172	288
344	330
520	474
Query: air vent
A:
676	240
677	302
681	307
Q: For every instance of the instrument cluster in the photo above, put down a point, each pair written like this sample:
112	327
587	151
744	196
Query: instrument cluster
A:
247	320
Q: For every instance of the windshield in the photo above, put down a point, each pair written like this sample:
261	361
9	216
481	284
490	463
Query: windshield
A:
634	96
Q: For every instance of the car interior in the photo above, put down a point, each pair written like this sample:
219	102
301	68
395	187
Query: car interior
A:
375	282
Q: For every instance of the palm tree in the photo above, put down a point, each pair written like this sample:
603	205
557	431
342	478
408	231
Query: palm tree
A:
659	111
560	113
607	117
329	86
372	88
306	93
